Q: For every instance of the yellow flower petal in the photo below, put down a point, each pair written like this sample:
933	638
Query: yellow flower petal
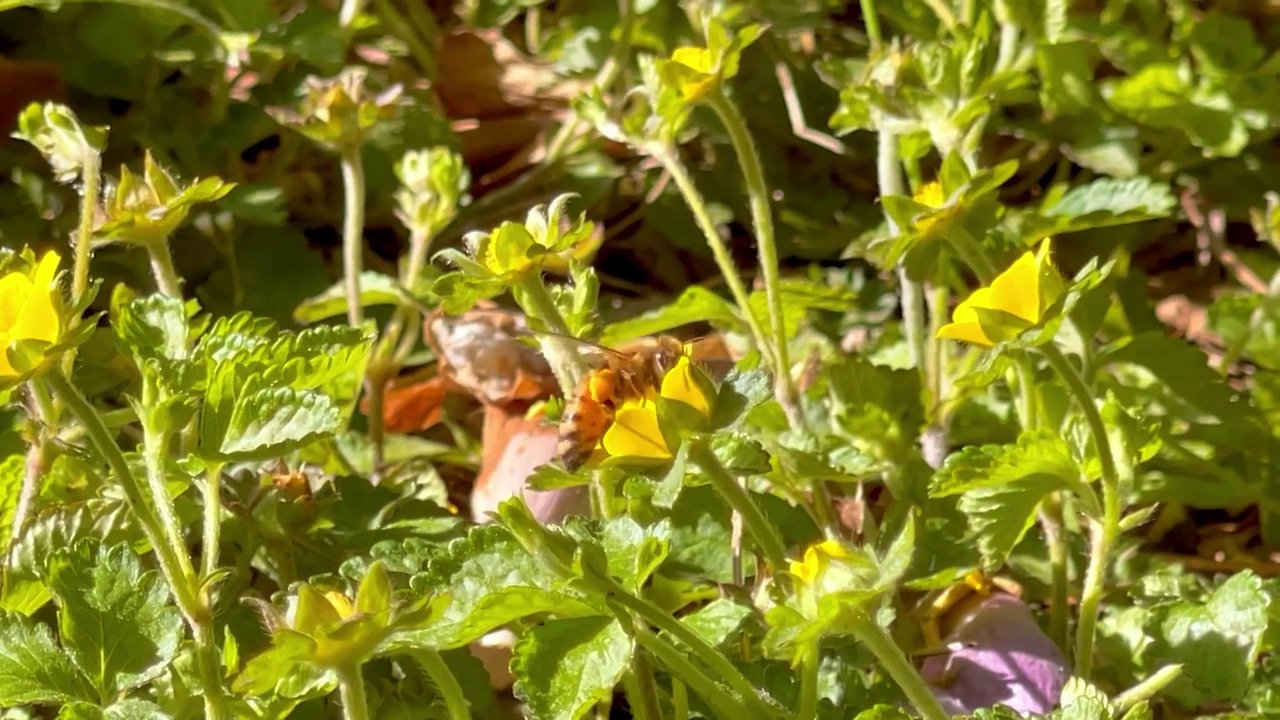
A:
817	558
967	332
696	58
635	433
341	603
680	384
1017	290
14	289
46	270
38	318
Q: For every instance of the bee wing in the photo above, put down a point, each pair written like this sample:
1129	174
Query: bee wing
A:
585	348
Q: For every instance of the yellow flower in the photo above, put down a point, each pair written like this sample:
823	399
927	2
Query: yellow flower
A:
340	603
29	308
1016	299
930	194
699	73
636	431
817	558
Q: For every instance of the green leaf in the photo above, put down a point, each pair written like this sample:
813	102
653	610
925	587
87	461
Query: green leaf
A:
492	581
1216	642
11	471
1036	454
33	669
376	289
1182	368
564	667
267	422
131	709
634	551
1101	203
1082	701
696	304
153	327
1001	515
116	620
718	620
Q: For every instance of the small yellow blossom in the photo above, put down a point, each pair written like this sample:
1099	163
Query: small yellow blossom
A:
340	603
817	558
1021	294
29	308
700	76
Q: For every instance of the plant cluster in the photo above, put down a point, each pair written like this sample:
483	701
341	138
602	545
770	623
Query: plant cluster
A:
944	472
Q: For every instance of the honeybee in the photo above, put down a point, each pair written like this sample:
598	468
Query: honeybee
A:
617	376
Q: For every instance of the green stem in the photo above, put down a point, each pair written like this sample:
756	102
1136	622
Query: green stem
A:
762	219
212	537
898	667
172	560
642	691
935	363
808	709
1052	521
167	279
1104	531
562	354
155	453
679	700
889	179
761	530
351	690
1051	516
353	191
91	172
725	705
713	658
872	23
455	700
39	457
665	155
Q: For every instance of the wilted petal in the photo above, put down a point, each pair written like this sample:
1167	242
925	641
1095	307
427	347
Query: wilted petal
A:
1005	659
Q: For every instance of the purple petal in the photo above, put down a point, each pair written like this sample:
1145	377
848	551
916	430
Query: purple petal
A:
1005	659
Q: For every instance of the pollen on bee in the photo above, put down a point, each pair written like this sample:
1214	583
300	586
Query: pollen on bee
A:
600	387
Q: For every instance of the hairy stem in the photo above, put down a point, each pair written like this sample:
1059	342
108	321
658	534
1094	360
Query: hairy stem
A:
761	530
872	23
211	539
561	353
726	705
642	691
1106	529
766	240
351	690
455	700
167	280
898	667
173	561
713	658
666	155
353	192
808	709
